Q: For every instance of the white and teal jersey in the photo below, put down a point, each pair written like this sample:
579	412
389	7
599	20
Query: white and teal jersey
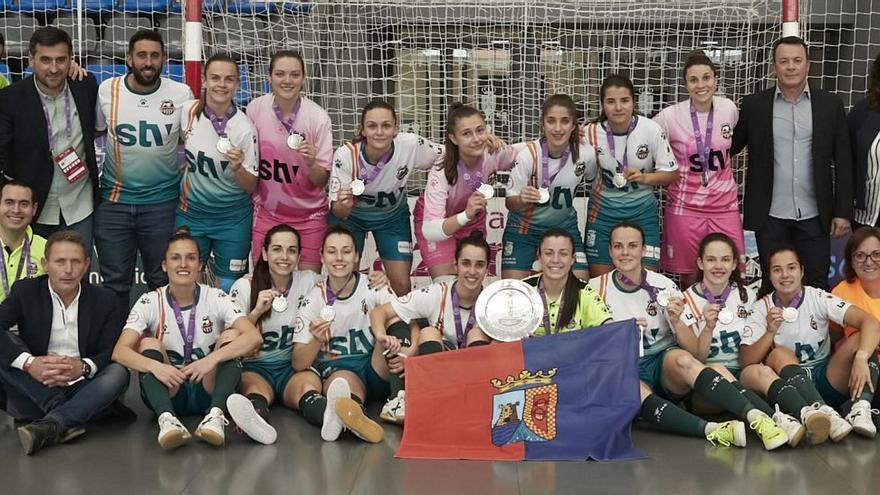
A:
153	316
527	170
625	304
350	334
208	186
808	335
387	191
276	328
646	148
726	339
143	130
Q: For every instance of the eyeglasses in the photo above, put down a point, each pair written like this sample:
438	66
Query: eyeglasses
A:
861	257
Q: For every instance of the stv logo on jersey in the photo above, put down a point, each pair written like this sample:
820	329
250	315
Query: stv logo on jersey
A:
524	409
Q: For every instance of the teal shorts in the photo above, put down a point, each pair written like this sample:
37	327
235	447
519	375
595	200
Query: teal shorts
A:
228	238
392	233
191	399
597	237
377	388
520	250
819	376
276	374
651	372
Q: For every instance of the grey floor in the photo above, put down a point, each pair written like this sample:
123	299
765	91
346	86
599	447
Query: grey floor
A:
124	458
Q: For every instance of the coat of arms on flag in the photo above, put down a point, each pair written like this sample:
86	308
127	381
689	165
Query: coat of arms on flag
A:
524	409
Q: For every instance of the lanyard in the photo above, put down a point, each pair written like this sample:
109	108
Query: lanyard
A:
460	332
543	294
546	178
472	179
25	255
609	136
332	296
362	163
652	291
287	123
187	333
68	130
794	303
704	143
289	284
218	123
719	299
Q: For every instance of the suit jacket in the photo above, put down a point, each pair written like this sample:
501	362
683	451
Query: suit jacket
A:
29	306
833	185
24	145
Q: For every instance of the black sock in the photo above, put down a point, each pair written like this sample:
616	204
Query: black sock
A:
261	405
669	417
357	399
787	397
756	400
796	376
312	405
225	381
155	391
478	343
717	390
866	390
430	347
401	331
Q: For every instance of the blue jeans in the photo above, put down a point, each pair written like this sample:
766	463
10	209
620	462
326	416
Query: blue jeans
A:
28	399
83	227
120	232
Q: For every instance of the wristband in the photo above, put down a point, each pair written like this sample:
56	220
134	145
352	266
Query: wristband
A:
462	218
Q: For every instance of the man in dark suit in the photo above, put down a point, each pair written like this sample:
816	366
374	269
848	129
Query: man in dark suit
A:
57	372
799	183
47	134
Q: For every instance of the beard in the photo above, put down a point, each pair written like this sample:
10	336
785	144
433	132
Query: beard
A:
144	80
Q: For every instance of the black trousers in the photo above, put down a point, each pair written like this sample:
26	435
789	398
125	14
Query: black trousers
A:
809	239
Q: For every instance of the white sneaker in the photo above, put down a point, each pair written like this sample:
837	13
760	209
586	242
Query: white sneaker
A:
840	428
790	426
817	422
172	433
393	410
332	426
861	418
246	417
211	428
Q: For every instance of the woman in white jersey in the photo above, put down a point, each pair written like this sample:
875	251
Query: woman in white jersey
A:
185	340
668	373
634	158
221	172
542	187
703	198
789	332
338	366
448	308
368	187
722	303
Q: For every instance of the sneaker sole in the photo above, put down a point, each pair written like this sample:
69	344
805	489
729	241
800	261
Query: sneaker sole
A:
798	436
841	436
249	421
352	416
818	426
210	437
779	442
27	440
865	432
332	426
72	433
173	440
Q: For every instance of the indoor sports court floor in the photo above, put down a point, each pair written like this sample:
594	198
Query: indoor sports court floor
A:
119	458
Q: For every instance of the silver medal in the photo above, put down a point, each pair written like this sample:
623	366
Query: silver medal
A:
486	190
619	180
725	316
279	304
327	313
544	195
790	315
357	187
665	295
224	145
294	140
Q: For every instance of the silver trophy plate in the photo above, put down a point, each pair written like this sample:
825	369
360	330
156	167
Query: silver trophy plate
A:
509	310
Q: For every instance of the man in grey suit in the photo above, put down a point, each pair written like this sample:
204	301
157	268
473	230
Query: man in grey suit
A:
799	183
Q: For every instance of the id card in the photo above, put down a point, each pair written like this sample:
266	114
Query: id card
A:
70	164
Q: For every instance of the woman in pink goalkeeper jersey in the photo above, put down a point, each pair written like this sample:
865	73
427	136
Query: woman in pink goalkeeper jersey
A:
703	199
453	205
295	152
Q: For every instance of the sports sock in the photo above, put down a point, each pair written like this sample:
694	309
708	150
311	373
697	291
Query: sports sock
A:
312	405
669	417
787	397
261	405
754	398
478	343
796	376
225	380
155	391
401	331
866	390
430	347
717	390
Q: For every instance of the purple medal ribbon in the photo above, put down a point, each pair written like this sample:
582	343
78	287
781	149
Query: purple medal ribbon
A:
67	118
652	291
287	290
377	169
721	299
25	255
704	146
187	333
287	123
546	178
460	332
218	123
543	294
472	179
794	303
609	136
331	296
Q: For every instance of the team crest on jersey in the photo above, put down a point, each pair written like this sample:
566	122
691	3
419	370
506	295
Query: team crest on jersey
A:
524	408
600	150
401	172
334	184
642	151
579	168
663	135
813	324
207	325
299	325
726	131
508	248
166	107
747	331
742	312
651	309
364	308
